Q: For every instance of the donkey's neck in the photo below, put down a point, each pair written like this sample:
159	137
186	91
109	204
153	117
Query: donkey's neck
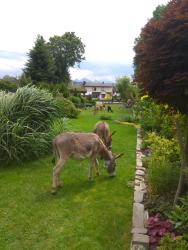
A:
105	154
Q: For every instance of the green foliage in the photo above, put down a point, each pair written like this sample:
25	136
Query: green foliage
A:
66	50
162	176
163	164
24	80
177	243
159	11
60	125
40	65
83	99
127	118
26	118
154	117
158	204
179	216
50	62
8	86
125	89
148	113
55	89
162	147
75	99
66	108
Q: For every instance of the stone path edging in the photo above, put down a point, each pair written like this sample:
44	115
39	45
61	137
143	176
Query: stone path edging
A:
140	239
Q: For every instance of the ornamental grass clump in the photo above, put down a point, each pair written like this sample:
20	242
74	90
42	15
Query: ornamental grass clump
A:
25	124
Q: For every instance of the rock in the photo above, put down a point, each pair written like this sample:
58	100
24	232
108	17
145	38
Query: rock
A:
139	178
141	168
138	215
141	239
137	182
138	196
140	172
146	217
138	247
139	162
139	230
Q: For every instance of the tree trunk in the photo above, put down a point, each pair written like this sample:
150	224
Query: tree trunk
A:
184	157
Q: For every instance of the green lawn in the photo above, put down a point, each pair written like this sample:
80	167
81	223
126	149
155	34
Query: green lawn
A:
83	215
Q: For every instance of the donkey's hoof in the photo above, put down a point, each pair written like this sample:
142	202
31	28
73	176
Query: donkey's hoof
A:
97	174
53	190
60	185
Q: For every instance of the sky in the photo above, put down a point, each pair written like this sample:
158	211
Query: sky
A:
108	29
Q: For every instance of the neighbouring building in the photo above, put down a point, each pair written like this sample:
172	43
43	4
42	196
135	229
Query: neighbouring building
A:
99	91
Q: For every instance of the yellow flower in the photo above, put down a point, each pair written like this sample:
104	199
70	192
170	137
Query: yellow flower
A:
144	97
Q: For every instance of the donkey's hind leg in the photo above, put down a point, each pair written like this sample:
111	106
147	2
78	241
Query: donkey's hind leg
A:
56	175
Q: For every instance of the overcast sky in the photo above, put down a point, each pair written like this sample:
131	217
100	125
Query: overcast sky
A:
107	28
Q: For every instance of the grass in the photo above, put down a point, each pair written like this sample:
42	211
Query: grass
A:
83	215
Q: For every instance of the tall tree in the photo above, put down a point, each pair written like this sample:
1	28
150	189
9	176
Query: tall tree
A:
66	50
40	65
125	88
162	66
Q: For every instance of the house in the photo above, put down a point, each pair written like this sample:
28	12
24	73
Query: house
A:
99	91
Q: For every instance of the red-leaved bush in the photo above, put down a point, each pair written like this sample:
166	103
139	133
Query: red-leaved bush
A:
157	228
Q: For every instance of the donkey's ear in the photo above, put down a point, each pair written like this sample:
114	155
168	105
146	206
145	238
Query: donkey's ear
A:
118	156
113	133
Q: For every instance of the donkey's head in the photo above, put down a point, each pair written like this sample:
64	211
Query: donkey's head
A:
111	164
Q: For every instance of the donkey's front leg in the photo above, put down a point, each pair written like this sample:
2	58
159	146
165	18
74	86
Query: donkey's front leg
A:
91	165
97	167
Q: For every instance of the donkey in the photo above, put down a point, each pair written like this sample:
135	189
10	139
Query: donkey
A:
80	146
103	131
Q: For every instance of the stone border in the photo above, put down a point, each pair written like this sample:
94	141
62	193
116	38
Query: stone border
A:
140	239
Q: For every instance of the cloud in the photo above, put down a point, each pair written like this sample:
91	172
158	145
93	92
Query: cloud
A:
80	74
107	28
11	63
99	71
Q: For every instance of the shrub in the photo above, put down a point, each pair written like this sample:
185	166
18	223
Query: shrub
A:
154	117
127	118
162	176
148	113
179	216
67	108
167	127
158	228
163	164
8	86
60	125
83	99
75	99
169	243
25	124
162	147
158	204
91	101
55	89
